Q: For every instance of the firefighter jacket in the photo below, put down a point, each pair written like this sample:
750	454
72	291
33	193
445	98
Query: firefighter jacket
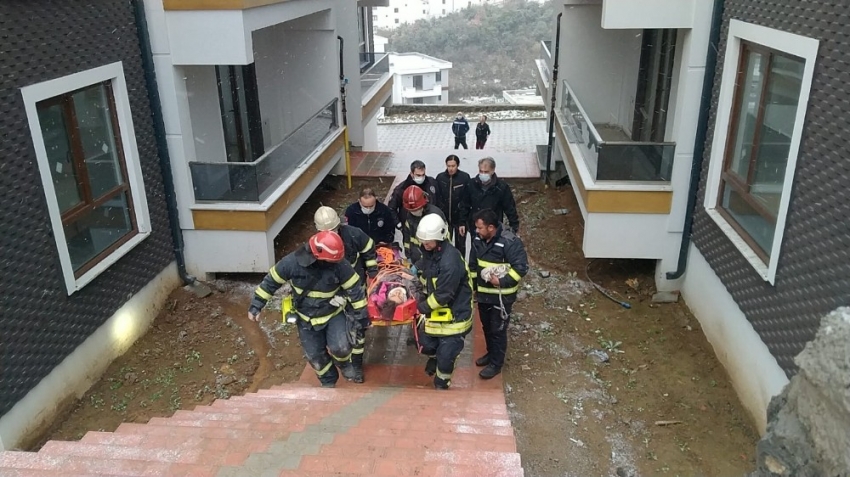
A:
359	251
314	284
446	284
503	248
496	196
379	225
430	187
408	231
451	192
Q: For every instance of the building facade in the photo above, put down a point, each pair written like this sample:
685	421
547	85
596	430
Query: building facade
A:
419	79
87	249
400	12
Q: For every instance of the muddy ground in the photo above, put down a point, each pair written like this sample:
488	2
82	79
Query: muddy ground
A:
594	389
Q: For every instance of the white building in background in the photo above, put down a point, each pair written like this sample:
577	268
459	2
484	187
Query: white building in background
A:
525	97
400	12
419	79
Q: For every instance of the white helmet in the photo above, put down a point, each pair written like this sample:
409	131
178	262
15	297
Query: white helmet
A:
431	227
326	218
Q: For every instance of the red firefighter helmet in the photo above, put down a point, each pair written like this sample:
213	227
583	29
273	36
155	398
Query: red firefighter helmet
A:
327	245
413	198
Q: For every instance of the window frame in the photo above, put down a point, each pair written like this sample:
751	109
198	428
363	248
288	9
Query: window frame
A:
113	76
744	36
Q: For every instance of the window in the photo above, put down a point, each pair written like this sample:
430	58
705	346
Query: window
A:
764	92
396	20
374	18
240	112
417	82
83	138
417	100
444	11
395	10
438	77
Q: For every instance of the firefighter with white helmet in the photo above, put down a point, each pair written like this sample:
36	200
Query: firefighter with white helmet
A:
360	253
446	301
323	285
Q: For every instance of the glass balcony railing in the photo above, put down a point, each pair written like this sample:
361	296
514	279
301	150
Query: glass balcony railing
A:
612	155
546	56
373	66
255	181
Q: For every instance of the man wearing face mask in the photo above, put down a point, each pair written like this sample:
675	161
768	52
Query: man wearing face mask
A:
487	191
416	206
417	178
372	217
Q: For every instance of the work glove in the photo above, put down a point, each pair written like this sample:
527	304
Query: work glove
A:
338	301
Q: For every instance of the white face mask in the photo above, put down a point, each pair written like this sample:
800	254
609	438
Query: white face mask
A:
419	179
367	210
484	177
417	212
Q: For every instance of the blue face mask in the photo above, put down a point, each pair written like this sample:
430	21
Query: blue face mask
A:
484	177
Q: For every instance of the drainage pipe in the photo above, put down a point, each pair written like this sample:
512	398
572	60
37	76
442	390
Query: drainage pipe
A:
161	144
553	86
342	83
701	136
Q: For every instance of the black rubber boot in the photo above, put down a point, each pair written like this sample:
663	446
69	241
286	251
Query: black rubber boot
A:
431	367
357	364
329	385
489	372
483	361
442	384
349	372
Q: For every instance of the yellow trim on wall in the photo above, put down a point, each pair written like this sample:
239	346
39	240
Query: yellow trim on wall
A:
614	201
378	99
216	4
261	221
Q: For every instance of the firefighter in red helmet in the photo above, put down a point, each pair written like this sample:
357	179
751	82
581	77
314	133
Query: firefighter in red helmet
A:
416	205
328	303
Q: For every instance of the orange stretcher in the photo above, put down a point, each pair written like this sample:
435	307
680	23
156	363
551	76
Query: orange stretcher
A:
389	264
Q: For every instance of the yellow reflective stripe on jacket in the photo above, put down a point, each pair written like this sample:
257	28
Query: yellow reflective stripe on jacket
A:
433	303
447	329
275	276
359	304
319	320
498	291
514	274
369	245
371	263
263	294
317	294
485	264
415	241
473	274
351	281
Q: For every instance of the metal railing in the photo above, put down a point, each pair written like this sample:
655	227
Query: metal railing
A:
614	160
373	66
255	181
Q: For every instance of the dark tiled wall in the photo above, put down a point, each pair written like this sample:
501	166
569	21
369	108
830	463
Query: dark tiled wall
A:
39	324
813	276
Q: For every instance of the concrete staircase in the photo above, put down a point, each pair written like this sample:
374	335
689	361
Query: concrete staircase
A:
395	425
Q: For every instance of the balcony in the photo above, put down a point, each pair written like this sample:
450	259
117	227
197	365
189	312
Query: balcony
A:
543	71
608	152
254	182
640	14
376	82
422	93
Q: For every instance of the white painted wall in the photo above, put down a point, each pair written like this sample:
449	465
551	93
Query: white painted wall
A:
370	134
296	75
600	65
205	113
87	363
755	374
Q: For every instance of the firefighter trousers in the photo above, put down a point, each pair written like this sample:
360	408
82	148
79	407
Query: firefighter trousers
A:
326	346
444	350
495	324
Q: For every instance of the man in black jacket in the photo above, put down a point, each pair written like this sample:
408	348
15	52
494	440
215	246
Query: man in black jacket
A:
372	217
453	182
459	128
418	178
323	285
497	263
487	191
446	302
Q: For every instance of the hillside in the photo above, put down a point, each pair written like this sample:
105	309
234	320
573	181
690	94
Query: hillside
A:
491	48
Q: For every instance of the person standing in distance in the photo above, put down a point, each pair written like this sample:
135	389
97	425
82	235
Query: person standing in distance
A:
459	128
497	263
416	178
453	182
482	132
